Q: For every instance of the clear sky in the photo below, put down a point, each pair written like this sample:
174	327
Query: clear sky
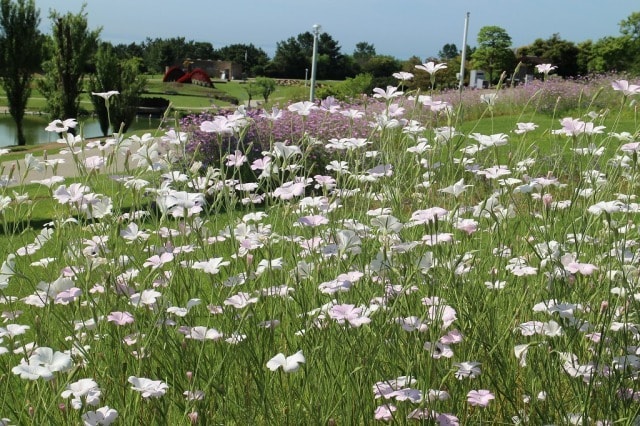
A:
401	28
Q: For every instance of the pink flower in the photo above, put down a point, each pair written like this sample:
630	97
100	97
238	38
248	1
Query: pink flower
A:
67	296
384	412
348	313
467	225
480	398
157	261
571	127
428	215
240	300
313	220
572	266
236	159
289	190
631	147
626	88
120	318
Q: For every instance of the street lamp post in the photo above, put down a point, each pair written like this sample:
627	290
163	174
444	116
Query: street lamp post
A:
314	60
464	52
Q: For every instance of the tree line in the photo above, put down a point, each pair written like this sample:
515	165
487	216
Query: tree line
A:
73	51
64	58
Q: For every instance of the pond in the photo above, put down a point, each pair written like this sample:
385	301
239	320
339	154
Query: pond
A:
34	126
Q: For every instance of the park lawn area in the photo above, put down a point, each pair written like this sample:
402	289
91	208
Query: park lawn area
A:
188	97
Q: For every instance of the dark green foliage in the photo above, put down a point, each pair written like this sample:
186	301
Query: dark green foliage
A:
293	56
20	55
449	51
73	46
350	88
363	52
158	54
494	53
253	60
556	51
123	76
266	86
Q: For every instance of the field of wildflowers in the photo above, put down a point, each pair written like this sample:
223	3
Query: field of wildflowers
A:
335	264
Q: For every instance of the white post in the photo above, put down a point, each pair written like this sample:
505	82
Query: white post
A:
314	59
464	51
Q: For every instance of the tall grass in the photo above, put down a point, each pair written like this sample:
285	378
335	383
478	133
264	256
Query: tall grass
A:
435	269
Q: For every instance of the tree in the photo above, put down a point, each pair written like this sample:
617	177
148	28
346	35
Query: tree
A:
449	51
123	76
294	55
73	46
363	52
252	90
609	54
493	52
20	55
253	60
381	69
162	53
290	60
631	26
556	51
630	29
266	86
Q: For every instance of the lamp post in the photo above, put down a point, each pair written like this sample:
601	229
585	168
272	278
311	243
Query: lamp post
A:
464	53
314	60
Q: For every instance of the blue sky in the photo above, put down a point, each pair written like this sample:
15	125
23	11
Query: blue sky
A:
400	28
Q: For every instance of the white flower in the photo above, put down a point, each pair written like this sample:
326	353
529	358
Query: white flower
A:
103	416
60	126
42	364
106	95
402	75
456	189
201	333
390	93
525	127
7	270
286	151
211	266
147	387
302	108
431	67
289	364
86	388
545	68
